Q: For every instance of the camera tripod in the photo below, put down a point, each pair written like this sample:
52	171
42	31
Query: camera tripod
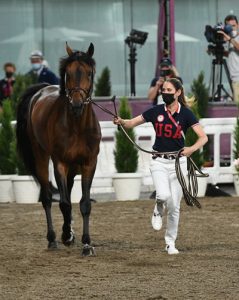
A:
216	94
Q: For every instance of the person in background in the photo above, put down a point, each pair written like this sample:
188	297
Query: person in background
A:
6	84
233	53
40	71
167	70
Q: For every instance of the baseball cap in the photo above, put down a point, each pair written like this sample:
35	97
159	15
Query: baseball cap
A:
36	54
165	62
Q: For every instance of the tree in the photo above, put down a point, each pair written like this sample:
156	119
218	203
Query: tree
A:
191	138
21	84
7	166
126	155
236	140
9	161
201	94
103	84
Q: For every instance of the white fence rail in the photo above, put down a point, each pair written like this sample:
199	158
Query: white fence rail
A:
215	127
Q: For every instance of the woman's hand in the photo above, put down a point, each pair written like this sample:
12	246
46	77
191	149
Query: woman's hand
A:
118	121
202	140
129	123
187	151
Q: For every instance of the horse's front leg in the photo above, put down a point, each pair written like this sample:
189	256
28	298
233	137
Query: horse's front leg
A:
85	208
67	236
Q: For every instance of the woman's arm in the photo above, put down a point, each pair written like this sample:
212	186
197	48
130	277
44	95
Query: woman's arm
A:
202	140
129	123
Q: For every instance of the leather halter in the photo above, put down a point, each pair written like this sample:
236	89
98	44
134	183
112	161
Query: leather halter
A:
70	92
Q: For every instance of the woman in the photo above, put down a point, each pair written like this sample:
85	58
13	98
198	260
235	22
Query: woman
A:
171	121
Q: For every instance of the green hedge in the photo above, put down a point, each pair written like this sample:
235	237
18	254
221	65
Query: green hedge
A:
126	155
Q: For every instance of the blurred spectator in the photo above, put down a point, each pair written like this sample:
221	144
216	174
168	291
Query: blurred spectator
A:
6	84
233	53
40	70
167	70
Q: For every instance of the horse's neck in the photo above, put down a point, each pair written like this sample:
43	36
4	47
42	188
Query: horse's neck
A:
89	115
86	119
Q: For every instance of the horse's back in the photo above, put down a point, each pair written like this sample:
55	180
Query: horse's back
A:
51	91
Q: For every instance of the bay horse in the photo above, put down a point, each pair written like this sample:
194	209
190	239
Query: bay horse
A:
58	123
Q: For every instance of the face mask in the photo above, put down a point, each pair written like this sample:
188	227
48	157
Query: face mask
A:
9	74
36	66
164	73
234	33
168	98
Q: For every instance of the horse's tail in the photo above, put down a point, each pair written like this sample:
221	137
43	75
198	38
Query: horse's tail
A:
24	146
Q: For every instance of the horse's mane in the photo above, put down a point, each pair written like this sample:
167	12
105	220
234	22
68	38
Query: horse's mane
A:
64	61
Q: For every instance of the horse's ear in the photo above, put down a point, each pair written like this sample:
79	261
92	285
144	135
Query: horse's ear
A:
90	50
68	50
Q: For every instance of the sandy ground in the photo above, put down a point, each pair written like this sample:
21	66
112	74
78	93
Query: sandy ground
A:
130	263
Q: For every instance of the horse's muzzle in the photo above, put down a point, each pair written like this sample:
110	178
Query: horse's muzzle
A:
77	108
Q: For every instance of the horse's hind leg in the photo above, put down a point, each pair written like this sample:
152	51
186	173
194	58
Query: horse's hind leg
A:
67	237
46	199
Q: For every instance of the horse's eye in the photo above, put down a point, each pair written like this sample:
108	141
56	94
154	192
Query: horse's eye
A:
89	74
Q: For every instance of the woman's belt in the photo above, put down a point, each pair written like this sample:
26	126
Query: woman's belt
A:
166	155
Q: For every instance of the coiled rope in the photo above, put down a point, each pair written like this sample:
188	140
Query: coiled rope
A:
190	191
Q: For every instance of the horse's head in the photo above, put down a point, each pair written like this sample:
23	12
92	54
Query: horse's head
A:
77	76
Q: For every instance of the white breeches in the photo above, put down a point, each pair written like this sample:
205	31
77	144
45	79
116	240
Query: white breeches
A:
169	191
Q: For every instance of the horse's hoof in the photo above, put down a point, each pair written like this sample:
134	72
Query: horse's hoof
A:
88	250
69	242
52	245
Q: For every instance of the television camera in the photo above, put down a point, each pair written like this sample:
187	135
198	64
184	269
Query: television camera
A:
216	48
216	39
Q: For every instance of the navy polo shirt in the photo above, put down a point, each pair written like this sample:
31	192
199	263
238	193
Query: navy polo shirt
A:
168	136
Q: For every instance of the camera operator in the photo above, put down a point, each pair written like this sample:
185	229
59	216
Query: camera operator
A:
233	53
167	70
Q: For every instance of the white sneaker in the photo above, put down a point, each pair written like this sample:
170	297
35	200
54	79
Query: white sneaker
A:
157	216
171	249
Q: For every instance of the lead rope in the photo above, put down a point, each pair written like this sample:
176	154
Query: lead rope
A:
128	137
190	191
